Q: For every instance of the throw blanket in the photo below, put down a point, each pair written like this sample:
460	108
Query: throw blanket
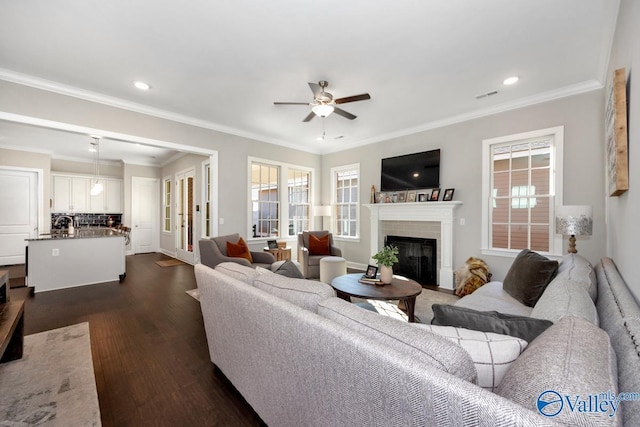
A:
471	276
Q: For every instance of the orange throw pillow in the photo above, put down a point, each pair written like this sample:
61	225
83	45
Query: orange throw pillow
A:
239	250
319	246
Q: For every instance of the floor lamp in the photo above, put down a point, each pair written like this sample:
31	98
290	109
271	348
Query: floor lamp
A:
323	210
574	221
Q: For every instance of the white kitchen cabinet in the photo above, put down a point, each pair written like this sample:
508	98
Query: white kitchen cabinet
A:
70	193
110	200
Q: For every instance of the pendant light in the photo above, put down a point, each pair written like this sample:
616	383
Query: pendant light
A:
97	187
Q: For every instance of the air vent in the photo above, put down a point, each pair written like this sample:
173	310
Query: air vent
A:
484	95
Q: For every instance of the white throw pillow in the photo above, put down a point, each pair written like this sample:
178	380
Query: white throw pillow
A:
492	354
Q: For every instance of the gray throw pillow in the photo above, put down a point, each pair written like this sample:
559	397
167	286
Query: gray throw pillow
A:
289	269
528	276
523	327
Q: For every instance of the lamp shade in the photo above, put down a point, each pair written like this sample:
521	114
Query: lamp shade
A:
322	110
574	220
322	210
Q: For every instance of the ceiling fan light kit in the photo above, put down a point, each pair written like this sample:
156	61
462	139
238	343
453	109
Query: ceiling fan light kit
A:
322	110
323	103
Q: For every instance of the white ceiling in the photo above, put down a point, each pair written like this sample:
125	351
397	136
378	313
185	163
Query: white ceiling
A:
222	64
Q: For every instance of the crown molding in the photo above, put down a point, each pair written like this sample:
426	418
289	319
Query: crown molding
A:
586	86
62	89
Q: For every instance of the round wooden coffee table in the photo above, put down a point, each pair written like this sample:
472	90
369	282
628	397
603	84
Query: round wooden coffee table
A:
401	289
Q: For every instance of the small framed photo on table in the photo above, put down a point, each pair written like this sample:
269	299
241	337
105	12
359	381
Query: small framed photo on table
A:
435	195
272	244
371	272
448	195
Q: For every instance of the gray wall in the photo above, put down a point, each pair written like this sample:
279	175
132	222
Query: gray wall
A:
623	231
461	168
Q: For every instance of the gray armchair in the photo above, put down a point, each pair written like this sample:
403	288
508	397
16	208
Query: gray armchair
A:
214	251
311	263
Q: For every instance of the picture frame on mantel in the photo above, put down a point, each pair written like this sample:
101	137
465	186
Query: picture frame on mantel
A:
448	195
435	195
616	143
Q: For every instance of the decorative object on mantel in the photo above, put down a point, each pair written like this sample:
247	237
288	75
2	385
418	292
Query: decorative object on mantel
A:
373	195
423	197
411	196
574	221
448	195
386	258
616	134
435	195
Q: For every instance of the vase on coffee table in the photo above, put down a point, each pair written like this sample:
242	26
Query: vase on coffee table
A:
386	274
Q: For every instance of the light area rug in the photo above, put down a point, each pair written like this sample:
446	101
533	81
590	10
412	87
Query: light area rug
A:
422	311
169	262
53	384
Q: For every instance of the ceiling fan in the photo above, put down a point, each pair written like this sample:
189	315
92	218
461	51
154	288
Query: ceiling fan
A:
323	103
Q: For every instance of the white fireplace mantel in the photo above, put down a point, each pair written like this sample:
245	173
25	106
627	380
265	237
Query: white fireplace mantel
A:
441	212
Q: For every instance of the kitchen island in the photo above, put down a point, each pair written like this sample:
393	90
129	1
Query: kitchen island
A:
88	256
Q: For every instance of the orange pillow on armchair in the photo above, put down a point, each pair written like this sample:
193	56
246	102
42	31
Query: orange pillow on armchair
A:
239	250
319	246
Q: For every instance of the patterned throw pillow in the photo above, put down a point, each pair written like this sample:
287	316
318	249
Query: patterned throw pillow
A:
239	250
492	354
319	245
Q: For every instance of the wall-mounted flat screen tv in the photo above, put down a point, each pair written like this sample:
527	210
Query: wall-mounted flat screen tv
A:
411	171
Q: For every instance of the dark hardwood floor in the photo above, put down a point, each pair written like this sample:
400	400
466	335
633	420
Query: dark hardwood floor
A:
149	348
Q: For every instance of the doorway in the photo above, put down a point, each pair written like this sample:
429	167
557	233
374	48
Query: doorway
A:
18	213
145	208
185	189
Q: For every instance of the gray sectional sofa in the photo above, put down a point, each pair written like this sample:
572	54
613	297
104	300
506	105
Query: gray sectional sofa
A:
301	356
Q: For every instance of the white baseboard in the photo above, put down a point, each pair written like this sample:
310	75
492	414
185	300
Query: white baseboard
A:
356	266
169	253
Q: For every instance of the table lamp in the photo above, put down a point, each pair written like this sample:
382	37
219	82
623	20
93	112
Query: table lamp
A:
574	221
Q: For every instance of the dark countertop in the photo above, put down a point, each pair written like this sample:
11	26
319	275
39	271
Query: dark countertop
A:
80	233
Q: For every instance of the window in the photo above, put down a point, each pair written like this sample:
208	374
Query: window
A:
166	217
207	199
299	195
345	201
276	213
265	200
521	185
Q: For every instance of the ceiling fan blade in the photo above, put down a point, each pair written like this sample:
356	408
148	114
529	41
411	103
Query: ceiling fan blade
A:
309	117
291	103
316	89
345	114
354	98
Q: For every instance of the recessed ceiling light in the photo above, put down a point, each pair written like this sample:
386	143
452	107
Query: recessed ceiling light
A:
511	80
141	85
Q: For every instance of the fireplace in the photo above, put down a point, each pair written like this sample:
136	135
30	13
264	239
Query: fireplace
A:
406	213
416	258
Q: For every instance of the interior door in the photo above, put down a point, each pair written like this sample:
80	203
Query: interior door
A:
185	187
18	213
145	210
